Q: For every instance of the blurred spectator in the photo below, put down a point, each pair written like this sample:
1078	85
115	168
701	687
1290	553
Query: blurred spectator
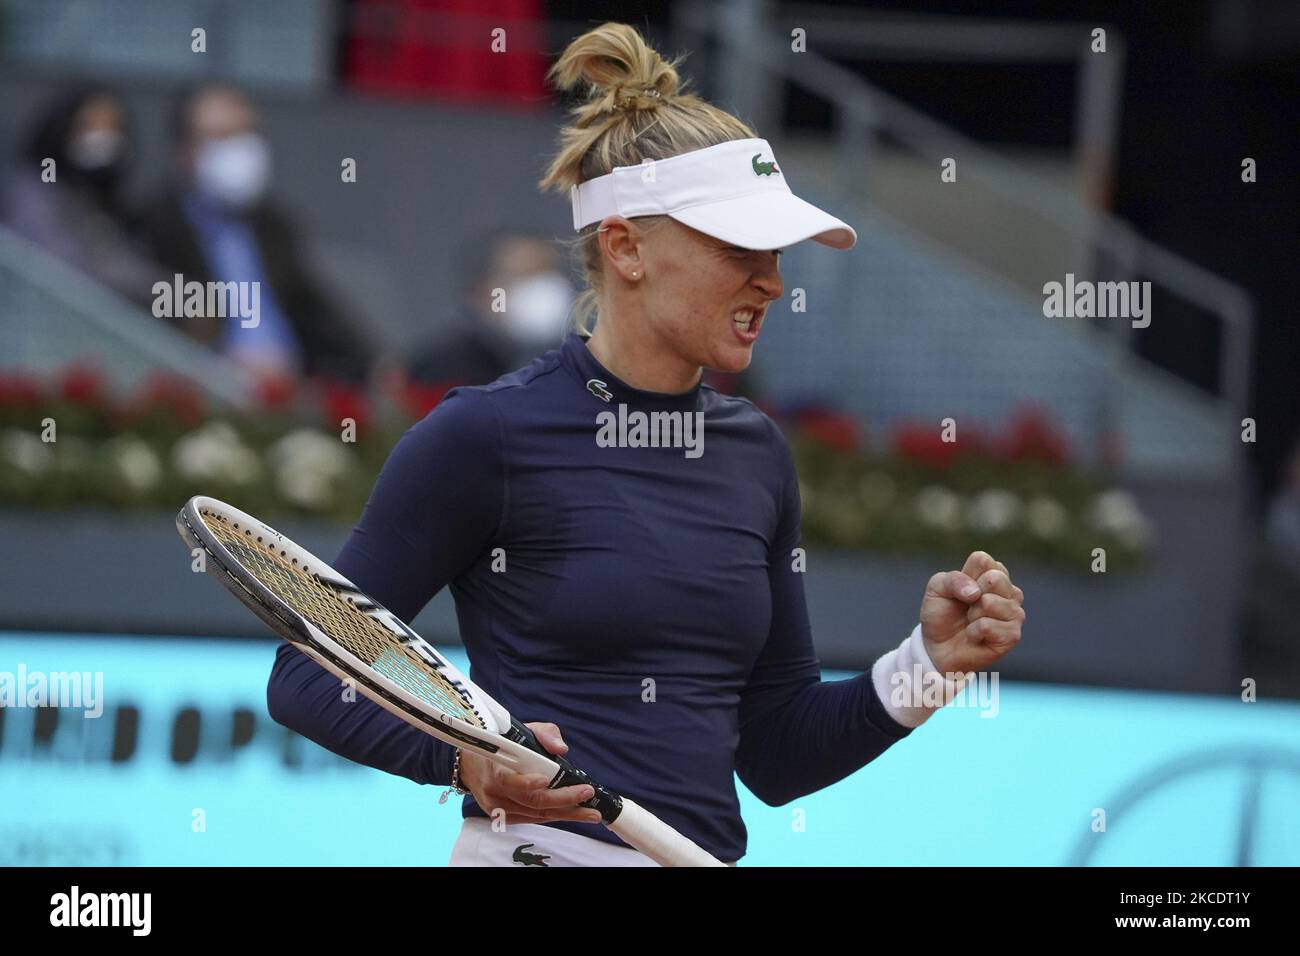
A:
215	224
74	208
513	304
493	334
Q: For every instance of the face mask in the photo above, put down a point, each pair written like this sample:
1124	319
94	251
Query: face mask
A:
95	149
537	308
234	170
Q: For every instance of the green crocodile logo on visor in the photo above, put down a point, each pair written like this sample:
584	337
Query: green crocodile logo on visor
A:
763	169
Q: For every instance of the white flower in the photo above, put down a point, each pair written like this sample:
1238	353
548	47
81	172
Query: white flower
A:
993	510
308	464
26	452
306	489
1116	512
938	507
135	462
308	448
1138	534
215	453
1046	517
1111	510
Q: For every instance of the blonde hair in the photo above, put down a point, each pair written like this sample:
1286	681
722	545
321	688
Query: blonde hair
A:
633	111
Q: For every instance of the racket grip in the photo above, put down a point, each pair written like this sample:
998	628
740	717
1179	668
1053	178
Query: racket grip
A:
657	840
605	800
636	827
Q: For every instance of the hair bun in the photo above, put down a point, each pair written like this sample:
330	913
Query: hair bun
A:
630	99
615	77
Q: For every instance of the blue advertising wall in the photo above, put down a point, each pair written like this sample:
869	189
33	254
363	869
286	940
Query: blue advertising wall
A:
1183	780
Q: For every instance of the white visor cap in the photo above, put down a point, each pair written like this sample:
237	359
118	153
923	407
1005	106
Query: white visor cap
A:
734	191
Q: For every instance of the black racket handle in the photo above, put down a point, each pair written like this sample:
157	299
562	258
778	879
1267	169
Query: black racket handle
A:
609	803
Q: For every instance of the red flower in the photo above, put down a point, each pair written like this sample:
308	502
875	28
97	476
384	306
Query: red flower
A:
169	392
19	390
83	385
923	443
834	429
276	393
723	382
417	399
342	400
1032	436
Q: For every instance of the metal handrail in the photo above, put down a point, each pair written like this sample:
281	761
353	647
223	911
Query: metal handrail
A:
863	109
93	306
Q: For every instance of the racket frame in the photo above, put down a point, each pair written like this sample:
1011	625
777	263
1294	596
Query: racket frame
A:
340	662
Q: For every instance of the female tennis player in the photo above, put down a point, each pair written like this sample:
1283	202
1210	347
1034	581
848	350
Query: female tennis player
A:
620	539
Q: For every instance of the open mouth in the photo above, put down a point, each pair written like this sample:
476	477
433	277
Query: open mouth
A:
747	320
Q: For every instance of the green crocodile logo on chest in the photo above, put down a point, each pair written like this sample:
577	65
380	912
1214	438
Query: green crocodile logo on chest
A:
763	169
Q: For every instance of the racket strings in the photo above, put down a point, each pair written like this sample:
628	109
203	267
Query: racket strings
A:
357	632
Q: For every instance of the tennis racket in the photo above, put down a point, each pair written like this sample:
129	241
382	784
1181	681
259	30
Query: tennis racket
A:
356	639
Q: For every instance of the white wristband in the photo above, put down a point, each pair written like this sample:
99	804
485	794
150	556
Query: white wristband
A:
908	684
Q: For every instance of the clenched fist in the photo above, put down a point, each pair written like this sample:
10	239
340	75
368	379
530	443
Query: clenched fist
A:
971	617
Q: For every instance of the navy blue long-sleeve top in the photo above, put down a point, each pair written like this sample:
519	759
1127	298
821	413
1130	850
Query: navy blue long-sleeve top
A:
645	599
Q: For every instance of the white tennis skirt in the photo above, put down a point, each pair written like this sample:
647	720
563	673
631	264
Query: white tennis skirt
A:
535	844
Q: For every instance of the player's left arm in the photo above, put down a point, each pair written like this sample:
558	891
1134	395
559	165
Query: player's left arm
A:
798	733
